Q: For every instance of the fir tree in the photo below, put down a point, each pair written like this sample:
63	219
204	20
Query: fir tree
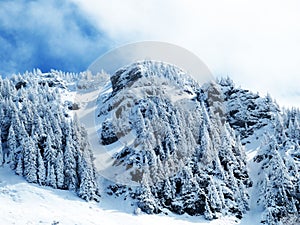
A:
88	188
146	199
51	177
1	152
30	160
60	170
71	180
19	169
12	145
41	170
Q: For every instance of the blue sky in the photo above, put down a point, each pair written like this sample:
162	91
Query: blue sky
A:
255	42
49	34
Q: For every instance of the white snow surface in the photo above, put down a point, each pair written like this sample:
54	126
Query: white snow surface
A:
23	203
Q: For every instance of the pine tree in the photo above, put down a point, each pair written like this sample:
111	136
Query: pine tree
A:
19	169
41	170
88	188
146	199
49	152
277	194
169	192
60	170
213	196
57	133
12	145
205	154
70	166
30	160
51	177
1	152
22	133
37	128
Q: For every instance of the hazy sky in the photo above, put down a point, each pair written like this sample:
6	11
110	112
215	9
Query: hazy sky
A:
257	42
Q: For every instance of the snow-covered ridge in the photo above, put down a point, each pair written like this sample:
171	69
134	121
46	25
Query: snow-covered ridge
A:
179	151
127	75
191	160
250	115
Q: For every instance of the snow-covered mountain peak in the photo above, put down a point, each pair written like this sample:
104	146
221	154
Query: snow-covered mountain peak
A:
144	95
180	143
155	125
127	75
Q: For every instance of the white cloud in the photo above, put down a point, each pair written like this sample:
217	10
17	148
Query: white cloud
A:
255	42
46	34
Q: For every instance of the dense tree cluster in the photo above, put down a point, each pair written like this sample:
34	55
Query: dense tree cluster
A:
279	160
181	143
188	153
278	156
40	140
185	157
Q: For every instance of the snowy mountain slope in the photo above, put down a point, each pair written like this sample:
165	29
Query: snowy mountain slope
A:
250	115
180	155
271	138
174	146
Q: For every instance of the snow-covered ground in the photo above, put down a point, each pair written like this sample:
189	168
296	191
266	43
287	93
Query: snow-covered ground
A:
23	203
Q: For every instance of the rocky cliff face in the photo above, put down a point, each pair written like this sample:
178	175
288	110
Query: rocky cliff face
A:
246	112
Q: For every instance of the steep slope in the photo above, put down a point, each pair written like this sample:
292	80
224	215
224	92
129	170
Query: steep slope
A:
246	112
181	157
279	177
176	146
221	112
274	134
